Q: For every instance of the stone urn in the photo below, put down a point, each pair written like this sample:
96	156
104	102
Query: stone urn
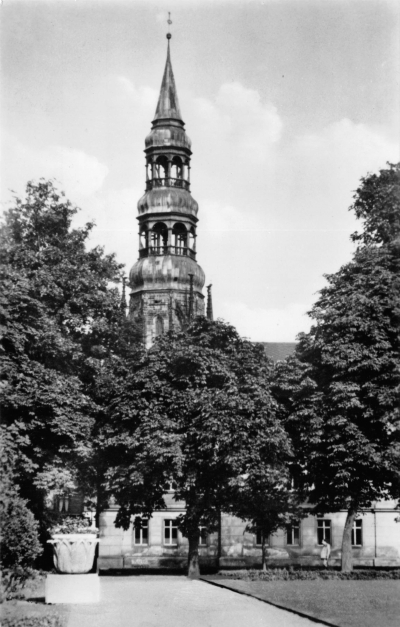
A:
73	553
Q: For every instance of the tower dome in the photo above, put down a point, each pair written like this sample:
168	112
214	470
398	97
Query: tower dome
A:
168	199
166	271
168	134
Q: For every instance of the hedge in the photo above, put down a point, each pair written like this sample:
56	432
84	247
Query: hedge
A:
285	574
49	620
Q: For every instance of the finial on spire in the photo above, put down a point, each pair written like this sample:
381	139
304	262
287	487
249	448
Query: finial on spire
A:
169	21
191	297
123	304
210	314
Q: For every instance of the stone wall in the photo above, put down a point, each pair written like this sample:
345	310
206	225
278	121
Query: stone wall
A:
149	306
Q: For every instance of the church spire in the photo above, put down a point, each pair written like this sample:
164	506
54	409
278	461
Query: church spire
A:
166	281
168	104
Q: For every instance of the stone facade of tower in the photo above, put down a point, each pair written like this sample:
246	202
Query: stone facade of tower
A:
166	282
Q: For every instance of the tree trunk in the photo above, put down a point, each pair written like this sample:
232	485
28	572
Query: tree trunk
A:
99	501
263	559
193	557
347	555
219	538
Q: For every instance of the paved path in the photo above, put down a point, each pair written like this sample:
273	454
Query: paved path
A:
171	601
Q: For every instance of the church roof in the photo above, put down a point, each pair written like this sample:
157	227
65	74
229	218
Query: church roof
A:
278	351
168	104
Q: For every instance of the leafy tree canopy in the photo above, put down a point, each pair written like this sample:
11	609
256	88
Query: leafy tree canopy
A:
60	318
341	389
376	203
196	410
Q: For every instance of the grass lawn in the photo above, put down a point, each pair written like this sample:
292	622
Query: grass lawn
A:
342	603
32	605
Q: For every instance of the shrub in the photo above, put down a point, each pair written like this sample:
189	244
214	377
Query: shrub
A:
73	524
19	544
284	574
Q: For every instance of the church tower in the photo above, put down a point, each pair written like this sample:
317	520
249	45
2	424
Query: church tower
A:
166	282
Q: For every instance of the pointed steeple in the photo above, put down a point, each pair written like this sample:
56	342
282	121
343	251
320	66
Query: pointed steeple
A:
168	104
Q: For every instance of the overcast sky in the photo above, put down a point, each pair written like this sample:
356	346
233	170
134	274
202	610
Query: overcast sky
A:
288	103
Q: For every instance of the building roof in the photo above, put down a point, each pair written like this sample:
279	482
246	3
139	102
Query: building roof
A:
278	351
168	104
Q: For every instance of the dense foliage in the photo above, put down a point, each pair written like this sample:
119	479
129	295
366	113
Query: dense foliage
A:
61	321
19	535
341	390
195	410
19	538
73	524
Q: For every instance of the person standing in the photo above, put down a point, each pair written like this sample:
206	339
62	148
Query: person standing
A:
325	552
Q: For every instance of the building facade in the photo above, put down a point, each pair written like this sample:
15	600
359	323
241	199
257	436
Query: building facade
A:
375	541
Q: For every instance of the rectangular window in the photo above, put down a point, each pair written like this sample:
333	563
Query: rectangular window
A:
170	532
171	486
142	533
203	536
259	538
356	533
293	533
61	503
324	530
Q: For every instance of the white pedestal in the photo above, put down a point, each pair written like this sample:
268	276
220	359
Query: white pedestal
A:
72	589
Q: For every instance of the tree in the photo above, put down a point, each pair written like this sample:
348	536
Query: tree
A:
61	319
268	500
19	540
341	390
196	410
125	349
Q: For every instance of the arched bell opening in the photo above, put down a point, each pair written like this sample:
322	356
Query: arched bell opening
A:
161	170
159	239
143	241
143	238
158	326
180	238
177	169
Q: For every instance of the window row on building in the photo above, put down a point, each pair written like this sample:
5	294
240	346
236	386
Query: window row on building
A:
170	531
293	533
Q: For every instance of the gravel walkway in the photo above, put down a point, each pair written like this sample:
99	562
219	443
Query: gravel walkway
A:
172	601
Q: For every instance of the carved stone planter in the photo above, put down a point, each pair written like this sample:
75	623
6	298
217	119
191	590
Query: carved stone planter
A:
73	553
